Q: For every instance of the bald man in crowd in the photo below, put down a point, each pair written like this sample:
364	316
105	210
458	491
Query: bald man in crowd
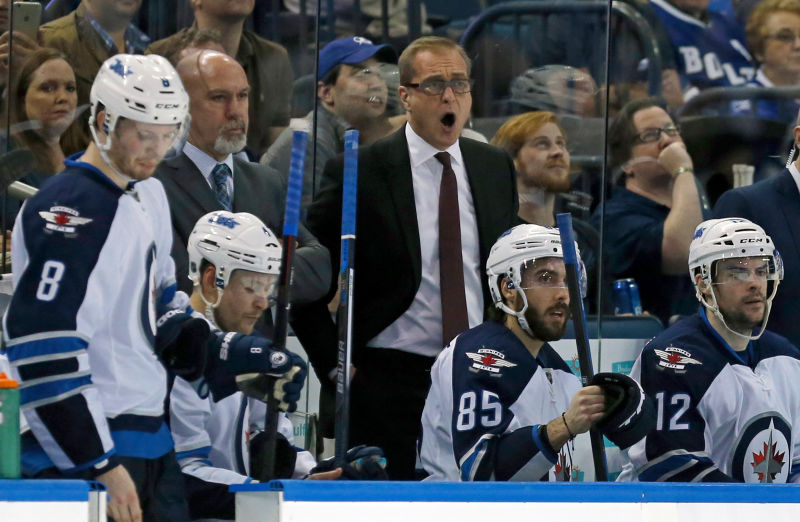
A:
207	176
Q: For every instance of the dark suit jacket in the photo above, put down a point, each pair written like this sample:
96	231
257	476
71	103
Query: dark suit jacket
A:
388	262
774	204
257	189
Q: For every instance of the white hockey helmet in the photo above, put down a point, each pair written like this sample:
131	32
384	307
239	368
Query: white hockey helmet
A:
516	249
718	239
141	88
232	242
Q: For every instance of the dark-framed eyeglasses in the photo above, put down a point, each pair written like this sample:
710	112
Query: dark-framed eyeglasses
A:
437	87
651	135
786	36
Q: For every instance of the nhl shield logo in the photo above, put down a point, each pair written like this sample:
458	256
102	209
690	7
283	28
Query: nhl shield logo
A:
762	454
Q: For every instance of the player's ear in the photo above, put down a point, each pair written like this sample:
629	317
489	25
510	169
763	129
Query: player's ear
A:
701	284
508	289
208	283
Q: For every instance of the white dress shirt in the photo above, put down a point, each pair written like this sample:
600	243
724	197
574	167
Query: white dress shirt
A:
419	329
795	174
205	164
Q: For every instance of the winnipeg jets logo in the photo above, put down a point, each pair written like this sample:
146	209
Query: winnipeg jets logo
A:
63	219
489	360
762	452
675	358
119	68
223	221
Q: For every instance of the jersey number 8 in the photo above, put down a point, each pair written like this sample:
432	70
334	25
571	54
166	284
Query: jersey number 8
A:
52	272
491	412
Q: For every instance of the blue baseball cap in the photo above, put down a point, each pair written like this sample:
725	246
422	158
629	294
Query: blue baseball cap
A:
352	50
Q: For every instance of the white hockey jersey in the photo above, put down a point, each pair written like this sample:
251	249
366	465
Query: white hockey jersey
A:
722	415
90	260
487	398
211	443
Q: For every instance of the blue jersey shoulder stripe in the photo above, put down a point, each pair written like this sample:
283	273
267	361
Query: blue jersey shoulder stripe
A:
65	226
52	390
44	347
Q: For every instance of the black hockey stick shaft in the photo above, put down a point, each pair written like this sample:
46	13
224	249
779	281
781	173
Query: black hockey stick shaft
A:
344	316
581	335
291	222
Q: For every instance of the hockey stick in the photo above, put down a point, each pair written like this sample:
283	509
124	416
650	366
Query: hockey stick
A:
291	220
581	336
344	315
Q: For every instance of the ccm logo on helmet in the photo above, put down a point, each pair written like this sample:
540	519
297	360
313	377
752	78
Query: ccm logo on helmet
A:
167	106
752	240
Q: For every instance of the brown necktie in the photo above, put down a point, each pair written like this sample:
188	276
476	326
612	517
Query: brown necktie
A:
451	269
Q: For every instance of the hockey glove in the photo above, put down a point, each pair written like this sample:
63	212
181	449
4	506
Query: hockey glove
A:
285	387
181	342
285	457
249	358
630	414
361	463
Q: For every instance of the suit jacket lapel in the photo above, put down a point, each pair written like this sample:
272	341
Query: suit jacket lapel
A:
474	165
401	189
790	207
189	178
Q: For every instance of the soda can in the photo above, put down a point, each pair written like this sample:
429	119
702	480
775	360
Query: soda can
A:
626	297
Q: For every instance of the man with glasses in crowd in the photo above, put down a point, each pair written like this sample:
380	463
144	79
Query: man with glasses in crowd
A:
430	206
725	389
650	218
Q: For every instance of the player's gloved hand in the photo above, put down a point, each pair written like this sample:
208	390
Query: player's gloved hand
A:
629	412
361	463
284	381
285	457
181	342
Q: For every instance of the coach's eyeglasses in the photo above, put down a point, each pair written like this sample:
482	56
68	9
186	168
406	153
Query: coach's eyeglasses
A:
437	87
651	135
786	36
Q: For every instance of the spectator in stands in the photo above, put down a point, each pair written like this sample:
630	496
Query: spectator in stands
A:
556	88
95	31
774	204
197	40
538	145
710	45
206	176
649	220
41	107
266	64
352	95
773	32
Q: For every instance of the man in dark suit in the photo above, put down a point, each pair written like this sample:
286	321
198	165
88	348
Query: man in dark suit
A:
774	204
409	225
206	175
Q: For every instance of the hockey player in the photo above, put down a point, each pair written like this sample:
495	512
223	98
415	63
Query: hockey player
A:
502	403
234	261
725	388
91	268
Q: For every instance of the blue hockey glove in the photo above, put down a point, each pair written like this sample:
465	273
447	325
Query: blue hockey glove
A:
246	362
284	387
181	342
361	463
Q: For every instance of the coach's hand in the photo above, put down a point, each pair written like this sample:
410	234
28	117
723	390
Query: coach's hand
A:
361	463
123	501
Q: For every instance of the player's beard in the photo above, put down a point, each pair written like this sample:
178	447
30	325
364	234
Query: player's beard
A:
541	329
232	145
556	182
739	321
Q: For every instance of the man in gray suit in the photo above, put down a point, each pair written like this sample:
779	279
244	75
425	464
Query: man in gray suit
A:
207	175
